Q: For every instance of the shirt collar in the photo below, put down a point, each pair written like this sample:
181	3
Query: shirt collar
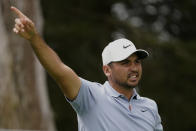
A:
112	92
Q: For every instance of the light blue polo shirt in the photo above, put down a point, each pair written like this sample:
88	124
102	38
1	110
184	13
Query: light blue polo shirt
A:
101	108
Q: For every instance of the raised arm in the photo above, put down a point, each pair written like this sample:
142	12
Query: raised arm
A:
66	78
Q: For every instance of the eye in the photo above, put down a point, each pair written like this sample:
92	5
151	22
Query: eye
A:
124	62
138	61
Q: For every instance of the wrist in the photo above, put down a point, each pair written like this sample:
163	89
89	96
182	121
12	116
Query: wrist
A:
34	38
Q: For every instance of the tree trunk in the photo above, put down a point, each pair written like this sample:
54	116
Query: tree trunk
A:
24	102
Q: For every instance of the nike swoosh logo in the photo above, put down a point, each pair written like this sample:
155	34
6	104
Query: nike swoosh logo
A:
143	110
125	46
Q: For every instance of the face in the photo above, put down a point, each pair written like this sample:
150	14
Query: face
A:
126	73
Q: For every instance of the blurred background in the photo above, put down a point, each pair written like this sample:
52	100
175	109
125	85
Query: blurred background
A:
78	31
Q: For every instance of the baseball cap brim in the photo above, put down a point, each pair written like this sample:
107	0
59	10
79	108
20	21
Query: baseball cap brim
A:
142	54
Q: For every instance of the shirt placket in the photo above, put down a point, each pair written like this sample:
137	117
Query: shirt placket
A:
132	105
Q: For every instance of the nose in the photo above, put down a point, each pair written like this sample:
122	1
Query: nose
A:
133	67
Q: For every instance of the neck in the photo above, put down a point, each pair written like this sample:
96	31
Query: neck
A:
127	92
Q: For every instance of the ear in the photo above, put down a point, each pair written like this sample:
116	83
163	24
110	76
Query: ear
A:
107	70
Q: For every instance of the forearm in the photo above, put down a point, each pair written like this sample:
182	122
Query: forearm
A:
47	57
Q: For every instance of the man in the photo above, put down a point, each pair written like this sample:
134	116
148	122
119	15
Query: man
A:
113	106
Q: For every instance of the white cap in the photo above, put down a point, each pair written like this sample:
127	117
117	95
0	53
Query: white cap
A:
119	50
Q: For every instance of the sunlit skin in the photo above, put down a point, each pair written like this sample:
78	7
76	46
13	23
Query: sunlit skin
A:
123	76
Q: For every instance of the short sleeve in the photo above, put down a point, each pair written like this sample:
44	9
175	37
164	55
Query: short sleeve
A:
86	97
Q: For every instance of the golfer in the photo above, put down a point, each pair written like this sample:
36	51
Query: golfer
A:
113	106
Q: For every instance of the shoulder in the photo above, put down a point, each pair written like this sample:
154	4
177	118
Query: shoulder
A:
90	84
93	87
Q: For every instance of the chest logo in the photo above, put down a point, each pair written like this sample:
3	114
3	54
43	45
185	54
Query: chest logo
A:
144	110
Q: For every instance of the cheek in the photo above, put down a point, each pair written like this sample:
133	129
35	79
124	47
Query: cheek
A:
140	70
124	73
120	73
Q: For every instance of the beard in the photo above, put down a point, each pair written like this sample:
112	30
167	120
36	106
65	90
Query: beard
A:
125	84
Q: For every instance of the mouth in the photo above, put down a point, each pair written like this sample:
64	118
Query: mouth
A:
133	77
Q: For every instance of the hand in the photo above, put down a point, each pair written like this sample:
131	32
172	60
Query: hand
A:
23	25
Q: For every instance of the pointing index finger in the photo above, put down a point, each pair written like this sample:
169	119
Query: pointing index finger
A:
18	12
